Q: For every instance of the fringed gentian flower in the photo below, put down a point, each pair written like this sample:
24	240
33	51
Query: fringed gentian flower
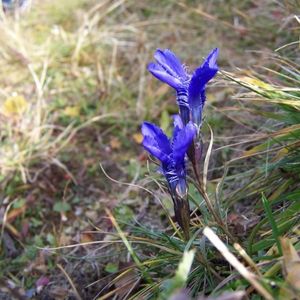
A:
190	89
171	154
168	68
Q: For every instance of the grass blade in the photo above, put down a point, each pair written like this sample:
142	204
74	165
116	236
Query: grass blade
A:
271	219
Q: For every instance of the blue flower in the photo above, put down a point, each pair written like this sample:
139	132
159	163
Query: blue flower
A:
171	153
190	89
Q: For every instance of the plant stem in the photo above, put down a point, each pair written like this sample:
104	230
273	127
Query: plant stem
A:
215	215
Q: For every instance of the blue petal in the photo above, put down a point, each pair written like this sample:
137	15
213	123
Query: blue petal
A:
158	138
197	115
161	74
170	62
152	147
196	112
178	126
211	59
182	142
201	77
149	129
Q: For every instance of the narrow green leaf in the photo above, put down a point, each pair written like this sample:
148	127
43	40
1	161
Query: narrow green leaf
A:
269	214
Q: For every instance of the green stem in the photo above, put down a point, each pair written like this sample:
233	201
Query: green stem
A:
215	215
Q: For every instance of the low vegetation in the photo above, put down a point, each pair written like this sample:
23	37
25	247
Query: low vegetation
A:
85	214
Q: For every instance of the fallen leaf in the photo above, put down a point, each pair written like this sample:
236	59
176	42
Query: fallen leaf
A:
72	111
25	228
86	237
138	137
14	213
15	105
12	230
242	222
115	143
